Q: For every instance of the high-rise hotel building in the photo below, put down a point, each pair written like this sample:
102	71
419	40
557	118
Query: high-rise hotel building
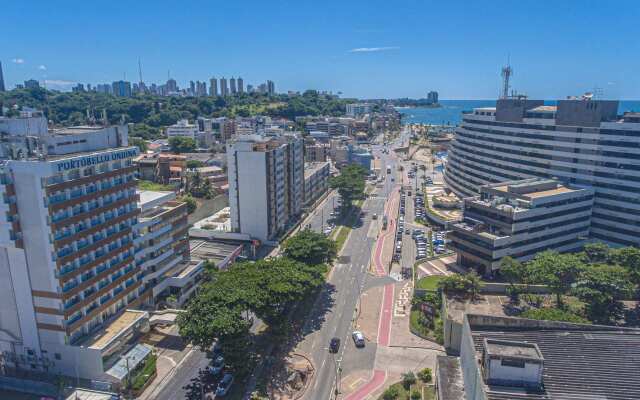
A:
583	143
67	259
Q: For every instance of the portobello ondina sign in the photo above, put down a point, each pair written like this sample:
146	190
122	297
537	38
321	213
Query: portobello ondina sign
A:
98	158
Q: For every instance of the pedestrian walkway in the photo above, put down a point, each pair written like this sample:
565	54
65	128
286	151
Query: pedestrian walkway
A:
376	381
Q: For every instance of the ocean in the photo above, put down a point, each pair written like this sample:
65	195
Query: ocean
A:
451	110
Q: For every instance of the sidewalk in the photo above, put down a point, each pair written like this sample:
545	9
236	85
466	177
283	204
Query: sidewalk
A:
171	352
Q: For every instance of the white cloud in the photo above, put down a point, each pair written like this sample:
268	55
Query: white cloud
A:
18	60
611	83
372	49
42	67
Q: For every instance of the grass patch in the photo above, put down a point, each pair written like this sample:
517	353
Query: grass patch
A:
140	378
341	237
429	283
148	185
553	314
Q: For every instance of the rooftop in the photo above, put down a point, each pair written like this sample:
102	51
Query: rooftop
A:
86	394
76	130
216	251
149	196
451	384
112	331
508	348
580	361
311	168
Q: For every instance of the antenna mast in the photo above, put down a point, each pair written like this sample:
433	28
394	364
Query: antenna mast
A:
507	71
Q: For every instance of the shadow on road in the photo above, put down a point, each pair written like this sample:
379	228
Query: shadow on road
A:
199	386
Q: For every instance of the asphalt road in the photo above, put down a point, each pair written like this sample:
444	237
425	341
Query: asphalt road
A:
189	376
334	314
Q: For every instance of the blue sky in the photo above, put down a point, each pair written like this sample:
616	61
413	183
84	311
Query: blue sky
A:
361	48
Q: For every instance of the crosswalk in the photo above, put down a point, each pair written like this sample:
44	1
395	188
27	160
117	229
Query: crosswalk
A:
403	303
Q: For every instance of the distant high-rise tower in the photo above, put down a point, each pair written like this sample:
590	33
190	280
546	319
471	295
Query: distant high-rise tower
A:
2	88
506	75
224	89
240	85
232	84
192	88
121	88
271	87
172	85
213	87
432	97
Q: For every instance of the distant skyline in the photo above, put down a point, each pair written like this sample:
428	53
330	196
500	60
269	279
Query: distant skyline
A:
365	49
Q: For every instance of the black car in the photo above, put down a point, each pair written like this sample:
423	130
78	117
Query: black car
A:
334	345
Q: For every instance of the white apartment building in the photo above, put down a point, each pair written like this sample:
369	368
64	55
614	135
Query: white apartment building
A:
162	248
520	219
579	142
316	180
266	184
183	128
358	109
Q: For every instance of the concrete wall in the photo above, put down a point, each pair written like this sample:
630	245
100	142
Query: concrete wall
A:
513	110
473	382
585	113
252	195
506	375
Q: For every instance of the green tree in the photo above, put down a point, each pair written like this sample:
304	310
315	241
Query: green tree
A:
191	164
425	375
514	272
141	143
391	393
408	379
558	271
191	203
629	258
602	288
596	252
282	284
350	184
181	144
467	285
310	247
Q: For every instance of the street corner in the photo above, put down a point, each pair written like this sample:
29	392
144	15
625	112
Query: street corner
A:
369	313
398	360
363	385
354	381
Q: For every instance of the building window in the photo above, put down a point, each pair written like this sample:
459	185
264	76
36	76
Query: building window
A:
505	362
57	356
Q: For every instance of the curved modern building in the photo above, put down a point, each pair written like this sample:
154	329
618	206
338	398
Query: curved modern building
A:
583	143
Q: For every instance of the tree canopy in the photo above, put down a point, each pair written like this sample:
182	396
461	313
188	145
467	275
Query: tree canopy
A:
268	288
182	144
467	285
558	271
310	247
350	183
148	113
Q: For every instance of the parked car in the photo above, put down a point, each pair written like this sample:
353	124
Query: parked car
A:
374	216
334	345
224	385
216	366
358	338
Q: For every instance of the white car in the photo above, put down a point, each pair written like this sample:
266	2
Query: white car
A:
358	338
